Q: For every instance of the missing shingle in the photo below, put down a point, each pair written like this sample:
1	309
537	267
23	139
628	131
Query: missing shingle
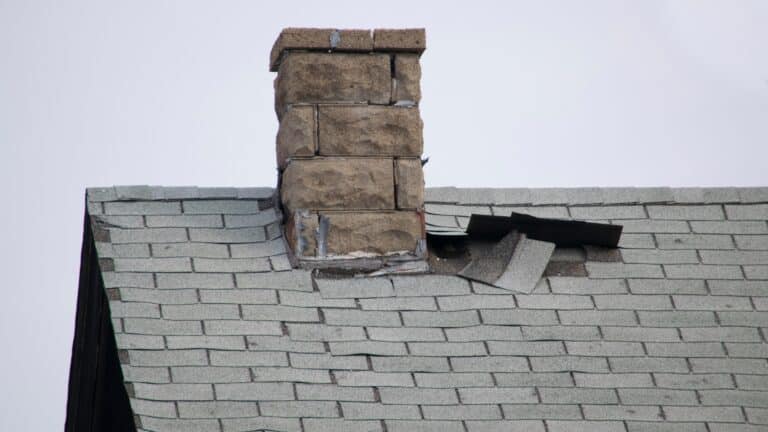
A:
565	269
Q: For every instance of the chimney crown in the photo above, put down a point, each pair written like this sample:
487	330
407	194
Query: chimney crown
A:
349	143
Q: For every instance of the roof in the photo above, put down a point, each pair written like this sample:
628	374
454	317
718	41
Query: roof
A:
216	332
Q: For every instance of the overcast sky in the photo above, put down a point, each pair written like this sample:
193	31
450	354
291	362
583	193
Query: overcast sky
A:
515	94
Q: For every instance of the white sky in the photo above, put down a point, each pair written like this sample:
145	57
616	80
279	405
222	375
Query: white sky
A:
518	94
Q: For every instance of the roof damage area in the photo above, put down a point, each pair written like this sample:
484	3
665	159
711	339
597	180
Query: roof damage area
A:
512	252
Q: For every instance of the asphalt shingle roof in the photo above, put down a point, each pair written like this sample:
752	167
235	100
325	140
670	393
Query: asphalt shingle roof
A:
216	332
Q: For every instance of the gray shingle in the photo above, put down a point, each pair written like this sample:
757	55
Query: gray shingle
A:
333	392
602	348
213	342
254	391
608	212
717	414
355	317
578	395
686	212
734	398
633	302
693	381
424	426
263	218
200	311
194	280
283	343
649	256
405	334
441	319
280	313
585	426
152	265
677	319
569	363
227	235
694	241
582	286
142	208
205	250
327	361
622	412
541	411
454	379
162	327
221	206
430	285
241	327
355	288
411	364
752	242
613	380
299	409
191	357
399	303
489	364
264	423
483	333
319	332
425	396
206	374
296	280
651	286
368	347
474	301
641	334
157	375
258	250
197	221
678	349
442	349
248	358
462	412
689	302
648	364
173	425
217	409
734	257
531	379
147	235
603	270
654	396
519	317
731	334
238	296
757	212
231	265
598	317
373	379
363	410
561	333
730	227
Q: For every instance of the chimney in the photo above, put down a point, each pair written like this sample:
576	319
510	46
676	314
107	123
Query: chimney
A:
349	144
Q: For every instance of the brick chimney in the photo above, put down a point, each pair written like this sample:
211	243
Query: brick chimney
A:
350	142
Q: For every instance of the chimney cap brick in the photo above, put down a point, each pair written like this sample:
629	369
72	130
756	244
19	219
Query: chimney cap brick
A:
328	39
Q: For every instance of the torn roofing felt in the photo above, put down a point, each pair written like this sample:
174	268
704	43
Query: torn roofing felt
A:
512	252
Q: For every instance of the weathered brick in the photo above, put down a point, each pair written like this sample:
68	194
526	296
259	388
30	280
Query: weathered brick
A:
368	130
407	71
409	40
296	135
409	183
321	77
